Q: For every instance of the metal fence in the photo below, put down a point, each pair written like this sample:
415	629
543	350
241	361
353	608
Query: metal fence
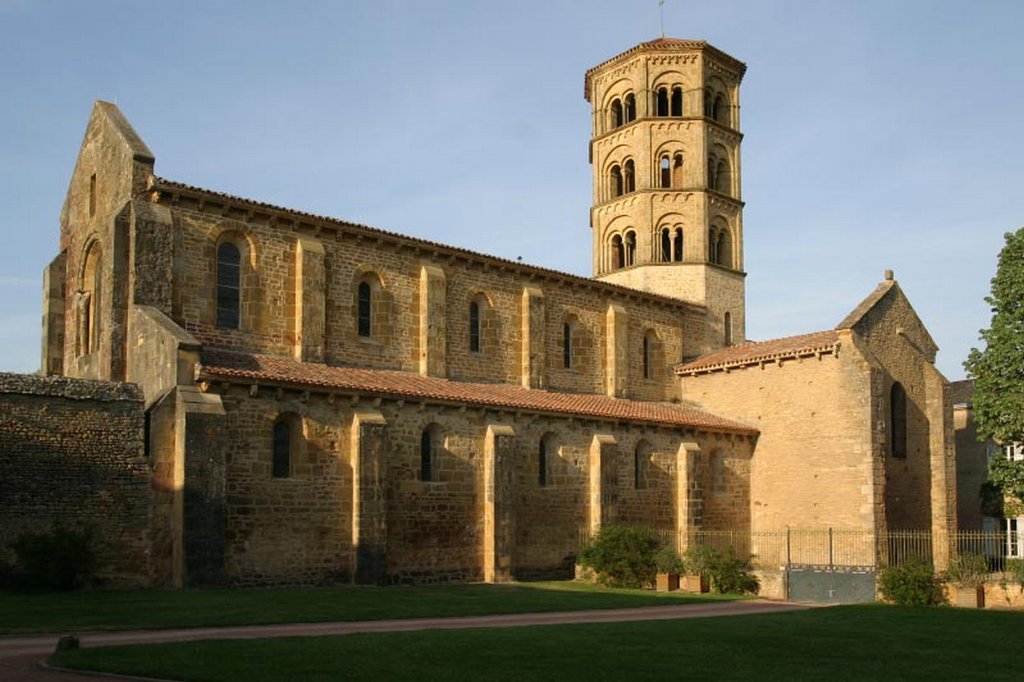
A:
848	549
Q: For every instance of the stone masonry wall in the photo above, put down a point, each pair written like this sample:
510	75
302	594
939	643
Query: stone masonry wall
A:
299	528
72	453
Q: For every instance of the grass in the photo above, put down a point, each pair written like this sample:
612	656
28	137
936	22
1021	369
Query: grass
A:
864	642
154	609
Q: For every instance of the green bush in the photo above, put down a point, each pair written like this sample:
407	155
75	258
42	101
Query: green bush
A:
911	584
1015	570
730	574
666	560
967	570
699	560
59	560
622	556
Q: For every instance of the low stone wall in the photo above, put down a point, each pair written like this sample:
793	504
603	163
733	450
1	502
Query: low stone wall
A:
72	453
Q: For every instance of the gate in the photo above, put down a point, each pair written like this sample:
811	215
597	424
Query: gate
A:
833	568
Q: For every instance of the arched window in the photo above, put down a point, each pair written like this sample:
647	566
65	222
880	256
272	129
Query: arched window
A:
630	108
616	175
724	249
677	171
719	108
474	327
364	314
567	345
722	177
712	246
677	246
677	101
898	421
89	298
708	102
427	455
665	173
662	101
542	463
712	172
666	245
618	253
628	177
647	357
229	292
281	463
641	465
616	113
630	248
727	324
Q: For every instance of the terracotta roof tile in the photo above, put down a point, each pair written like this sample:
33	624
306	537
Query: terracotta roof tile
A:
762	351
217	364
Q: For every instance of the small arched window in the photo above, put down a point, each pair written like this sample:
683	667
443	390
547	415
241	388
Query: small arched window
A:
630	108
89	299
364	314
677	171
723	250
629	247
427	455
712	172
618	253
641	465
677	101
567	345
662	101
722	176
898	421
542	463
665	173
474	327
281	463
712	246
629	177
647	357
727	324
616	176
708	102
677	245
666	245
719	108
616	113
229	292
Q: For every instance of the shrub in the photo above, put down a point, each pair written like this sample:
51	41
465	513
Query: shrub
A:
622	556
911	584
699	560
666	560
59	560
967	570
1014	571
729	573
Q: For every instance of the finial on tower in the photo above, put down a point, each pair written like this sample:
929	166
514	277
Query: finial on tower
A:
661	7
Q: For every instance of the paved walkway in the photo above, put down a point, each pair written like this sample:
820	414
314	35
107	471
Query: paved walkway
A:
20	655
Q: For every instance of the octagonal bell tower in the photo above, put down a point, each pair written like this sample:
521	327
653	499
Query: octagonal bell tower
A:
665	149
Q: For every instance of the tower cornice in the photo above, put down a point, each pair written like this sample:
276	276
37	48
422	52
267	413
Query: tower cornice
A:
663	45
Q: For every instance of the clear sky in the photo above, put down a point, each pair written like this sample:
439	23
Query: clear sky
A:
878	134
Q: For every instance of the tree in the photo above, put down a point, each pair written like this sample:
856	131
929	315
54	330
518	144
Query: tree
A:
998	370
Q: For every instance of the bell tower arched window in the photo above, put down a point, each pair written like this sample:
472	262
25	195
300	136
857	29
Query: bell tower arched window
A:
618	254
629	244
630	108
677	101
677	245
666	245
629	177
661	101
616	181
616	113
665	173
677	171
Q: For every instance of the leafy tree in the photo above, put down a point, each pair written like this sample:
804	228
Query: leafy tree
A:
998	370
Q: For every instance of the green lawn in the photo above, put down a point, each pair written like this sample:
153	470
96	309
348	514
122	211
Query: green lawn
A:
865	642
153	609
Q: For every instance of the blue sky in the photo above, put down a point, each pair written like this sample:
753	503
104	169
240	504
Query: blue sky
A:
878	134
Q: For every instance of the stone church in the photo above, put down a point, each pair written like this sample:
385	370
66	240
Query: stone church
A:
241	393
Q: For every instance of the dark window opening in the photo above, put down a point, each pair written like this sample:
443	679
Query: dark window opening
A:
677	245
708	101
647	358
628	177
630	108
630	248
666	246
426	456
567	345
616	181
364	314
666	173
898	420
281	465
677	101
92	195
662	102
474	327
722	176
229	298
712	247
616	113
618	253
542	464
677	171
718	110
